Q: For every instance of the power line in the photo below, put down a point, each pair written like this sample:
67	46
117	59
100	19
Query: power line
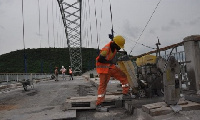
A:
129	39
41	61
111	20
95	13
39	21
23	23
90	26
25	63
145	26
100	23
84	19
140	43
48	23
53	24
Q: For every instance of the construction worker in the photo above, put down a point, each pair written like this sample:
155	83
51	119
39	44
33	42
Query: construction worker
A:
56	73
105	67
70	73
63	70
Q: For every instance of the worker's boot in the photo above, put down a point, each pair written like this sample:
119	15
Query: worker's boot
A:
99	108
128	96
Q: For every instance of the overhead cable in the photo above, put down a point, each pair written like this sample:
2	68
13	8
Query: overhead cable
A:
23	23
95	13
25	63
145	26
48	23
100	24
129	39
39	21
111	20
141	44
90	24
84	12
41	61
53	24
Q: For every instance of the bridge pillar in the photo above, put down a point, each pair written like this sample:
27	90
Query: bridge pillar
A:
192	54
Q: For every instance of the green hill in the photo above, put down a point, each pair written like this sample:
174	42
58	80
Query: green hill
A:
44	60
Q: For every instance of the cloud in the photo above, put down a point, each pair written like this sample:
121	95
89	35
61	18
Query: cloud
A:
171	25
174	23
130	30
38	34
195	21
5	1
1	2
1	27
152	31
165	28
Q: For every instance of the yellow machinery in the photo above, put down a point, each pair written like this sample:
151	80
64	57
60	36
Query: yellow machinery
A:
146	79
153	75
147	59
127	67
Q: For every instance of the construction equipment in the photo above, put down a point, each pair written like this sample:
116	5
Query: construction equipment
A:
26	83
149	76
127	67
154	76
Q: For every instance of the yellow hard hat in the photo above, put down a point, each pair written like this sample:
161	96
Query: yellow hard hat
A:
119	40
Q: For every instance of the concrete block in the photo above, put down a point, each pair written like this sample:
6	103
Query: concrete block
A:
88	102
161	108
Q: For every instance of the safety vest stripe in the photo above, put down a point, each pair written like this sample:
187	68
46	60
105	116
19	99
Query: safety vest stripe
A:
126	85
101	95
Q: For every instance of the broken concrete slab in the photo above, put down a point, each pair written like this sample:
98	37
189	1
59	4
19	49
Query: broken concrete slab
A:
89	102
138	102
161	108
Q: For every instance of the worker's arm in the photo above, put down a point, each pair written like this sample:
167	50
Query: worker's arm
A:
102	59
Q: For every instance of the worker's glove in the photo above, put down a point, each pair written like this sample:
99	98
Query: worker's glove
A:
113	61
110	36
125	53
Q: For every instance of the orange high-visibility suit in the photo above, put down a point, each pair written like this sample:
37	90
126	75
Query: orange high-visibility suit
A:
107	70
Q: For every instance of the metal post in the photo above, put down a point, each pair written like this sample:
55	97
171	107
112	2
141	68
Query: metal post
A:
71	15
7	77
17	78
31	77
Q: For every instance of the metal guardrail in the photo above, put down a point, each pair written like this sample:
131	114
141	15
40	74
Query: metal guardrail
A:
9	77
179	56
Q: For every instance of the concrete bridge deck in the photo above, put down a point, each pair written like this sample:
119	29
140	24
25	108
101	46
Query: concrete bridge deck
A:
46	100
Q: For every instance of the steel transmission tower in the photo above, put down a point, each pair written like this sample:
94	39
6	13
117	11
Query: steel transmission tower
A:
71	16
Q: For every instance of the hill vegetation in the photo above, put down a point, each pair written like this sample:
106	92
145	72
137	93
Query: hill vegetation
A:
44	60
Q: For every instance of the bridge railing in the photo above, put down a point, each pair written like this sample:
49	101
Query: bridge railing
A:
16	77
179	56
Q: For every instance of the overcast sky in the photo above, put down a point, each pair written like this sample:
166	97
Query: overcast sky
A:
172	21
